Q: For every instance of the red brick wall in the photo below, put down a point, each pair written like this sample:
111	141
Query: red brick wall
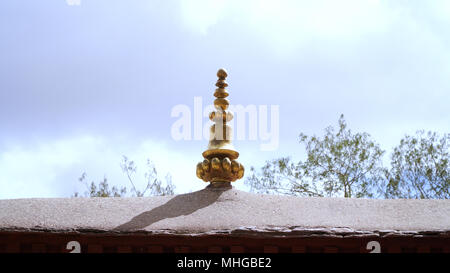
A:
46	242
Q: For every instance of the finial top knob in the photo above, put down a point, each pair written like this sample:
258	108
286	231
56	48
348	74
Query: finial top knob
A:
222	73
219	166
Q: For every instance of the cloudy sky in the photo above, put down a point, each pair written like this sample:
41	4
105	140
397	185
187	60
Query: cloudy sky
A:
82	85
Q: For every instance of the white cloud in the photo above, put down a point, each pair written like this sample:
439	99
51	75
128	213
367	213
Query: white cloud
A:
199	15
51	168
287	24
32	171
441	8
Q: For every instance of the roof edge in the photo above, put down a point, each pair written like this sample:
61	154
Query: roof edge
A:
248	231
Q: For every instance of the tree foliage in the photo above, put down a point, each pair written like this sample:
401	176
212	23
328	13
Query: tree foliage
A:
341	163
101	190
420	167
154	185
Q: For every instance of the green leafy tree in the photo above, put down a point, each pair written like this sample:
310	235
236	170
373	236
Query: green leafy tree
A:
420	167
154	185
341	163
100	190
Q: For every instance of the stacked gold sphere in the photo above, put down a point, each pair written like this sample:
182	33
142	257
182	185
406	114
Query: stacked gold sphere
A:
219	165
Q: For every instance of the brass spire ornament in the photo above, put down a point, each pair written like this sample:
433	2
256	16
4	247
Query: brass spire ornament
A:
219	166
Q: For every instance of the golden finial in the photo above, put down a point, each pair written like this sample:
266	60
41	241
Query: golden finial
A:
219	165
